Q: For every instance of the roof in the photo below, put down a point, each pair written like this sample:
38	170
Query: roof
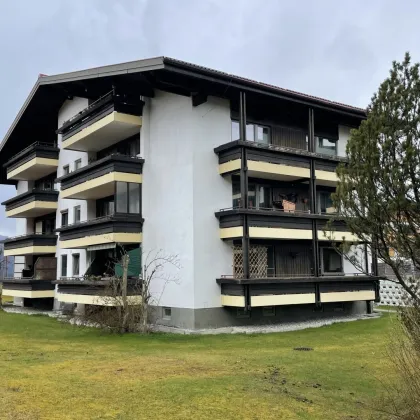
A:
263	85
180	67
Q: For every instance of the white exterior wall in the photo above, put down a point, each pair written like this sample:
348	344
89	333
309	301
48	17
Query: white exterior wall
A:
212	192
68	157
181	191
343	137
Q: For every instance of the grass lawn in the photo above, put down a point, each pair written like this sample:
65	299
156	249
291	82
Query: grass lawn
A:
52	370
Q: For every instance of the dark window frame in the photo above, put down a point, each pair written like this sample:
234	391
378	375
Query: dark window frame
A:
76	163
330	273
64	262
64	213
127	206
75	210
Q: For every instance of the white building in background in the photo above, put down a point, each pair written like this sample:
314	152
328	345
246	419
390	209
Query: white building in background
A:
232	176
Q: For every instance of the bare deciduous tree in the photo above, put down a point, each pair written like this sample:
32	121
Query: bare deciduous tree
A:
125	304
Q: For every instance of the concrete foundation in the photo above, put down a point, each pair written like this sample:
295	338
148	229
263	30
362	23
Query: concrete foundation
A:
229	317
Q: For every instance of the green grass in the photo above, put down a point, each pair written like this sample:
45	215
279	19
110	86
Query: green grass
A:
52	370
387	307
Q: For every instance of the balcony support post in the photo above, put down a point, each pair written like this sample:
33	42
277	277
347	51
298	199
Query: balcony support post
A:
244	189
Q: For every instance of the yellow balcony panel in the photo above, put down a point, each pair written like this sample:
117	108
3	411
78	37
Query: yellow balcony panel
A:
30	250
96	300
100	187
347	296
231	232
32	163
33	209
34	169
279	233
276	171
110	238
235	301
286	299
29	294
231	166
103	133
31	244
32	203
326	178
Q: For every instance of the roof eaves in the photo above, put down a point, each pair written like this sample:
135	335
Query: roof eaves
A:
21	111
111	70
267	86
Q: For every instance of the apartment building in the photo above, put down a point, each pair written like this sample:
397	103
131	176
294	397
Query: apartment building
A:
231	175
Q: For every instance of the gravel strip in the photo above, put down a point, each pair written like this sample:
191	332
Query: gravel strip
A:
264	329
252	329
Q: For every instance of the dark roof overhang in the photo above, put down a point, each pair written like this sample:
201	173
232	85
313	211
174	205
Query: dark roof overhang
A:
37	119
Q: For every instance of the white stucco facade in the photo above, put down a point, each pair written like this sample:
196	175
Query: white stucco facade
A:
181	191
68	157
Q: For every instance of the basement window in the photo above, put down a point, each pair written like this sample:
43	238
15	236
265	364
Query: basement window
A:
269	311
167	313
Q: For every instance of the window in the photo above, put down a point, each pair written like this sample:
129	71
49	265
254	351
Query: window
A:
254	132
48	226
325	202
121	197
133	147
134	198
257	133
236	194
105	207
46	184
66	170
326	146
259	196
77	214
76	264
64	218
77	164
167	313
64	266
127	198
332	261
235	131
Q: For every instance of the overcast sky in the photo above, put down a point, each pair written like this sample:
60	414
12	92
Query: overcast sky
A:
333	49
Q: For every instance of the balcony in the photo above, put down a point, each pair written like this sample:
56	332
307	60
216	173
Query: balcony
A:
267	161
31	244
279	224
34	283
32	203
297	291
28	288
35	162
107	121
119	228
96	292
97	180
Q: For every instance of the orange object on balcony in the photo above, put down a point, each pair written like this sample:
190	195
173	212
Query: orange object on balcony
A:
288	206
